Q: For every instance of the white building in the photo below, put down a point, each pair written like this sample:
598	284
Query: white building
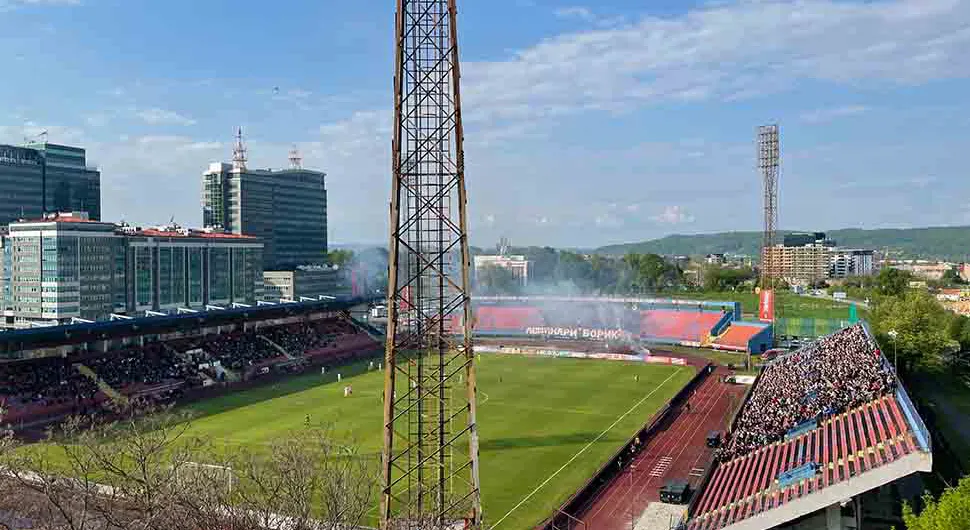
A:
518	265
66	267
844	262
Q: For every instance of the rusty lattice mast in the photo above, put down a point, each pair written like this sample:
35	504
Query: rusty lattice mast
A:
430	456
768	157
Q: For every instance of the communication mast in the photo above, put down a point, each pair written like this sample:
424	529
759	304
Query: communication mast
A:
239	151
296	161
430	455
768	161
503	246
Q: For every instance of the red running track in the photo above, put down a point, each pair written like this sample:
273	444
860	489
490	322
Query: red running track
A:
678	450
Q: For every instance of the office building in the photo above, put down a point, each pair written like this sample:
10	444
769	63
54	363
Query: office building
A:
45	177
844	262
286	209
67	266
304	281
171	267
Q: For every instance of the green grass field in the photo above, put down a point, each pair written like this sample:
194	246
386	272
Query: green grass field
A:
543	413
787	305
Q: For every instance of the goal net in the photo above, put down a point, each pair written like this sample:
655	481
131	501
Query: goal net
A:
211	475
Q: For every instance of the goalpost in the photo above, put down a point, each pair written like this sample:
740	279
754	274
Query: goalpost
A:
218	474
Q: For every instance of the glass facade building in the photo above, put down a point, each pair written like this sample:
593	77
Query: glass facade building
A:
70	267
286	209
61	270
44	177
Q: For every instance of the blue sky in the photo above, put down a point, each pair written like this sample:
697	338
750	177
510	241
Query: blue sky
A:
586	123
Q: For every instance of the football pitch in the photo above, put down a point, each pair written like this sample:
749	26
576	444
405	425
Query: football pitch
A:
545	424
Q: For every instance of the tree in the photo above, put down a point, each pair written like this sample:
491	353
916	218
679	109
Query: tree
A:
717	278
892	282
316	481
341	258
651	272
495	280
952	277
148	471
950	512
921	326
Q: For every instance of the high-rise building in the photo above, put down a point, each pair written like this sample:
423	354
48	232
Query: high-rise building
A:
844	262
808	263
67	266
286	209
810	257
45	177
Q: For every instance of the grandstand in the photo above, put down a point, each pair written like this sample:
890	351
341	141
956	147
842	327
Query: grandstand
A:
743	337
689	327
648	320
55	371
823	424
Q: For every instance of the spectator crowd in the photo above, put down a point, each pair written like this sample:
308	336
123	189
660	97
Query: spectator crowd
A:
834	374
29	387
301	338
149	365
43	383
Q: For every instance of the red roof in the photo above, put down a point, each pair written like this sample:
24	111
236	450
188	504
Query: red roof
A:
152	232
61	219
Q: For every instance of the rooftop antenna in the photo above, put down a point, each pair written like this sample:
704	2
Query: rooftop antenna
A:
503	246
296	161
239	151
42	136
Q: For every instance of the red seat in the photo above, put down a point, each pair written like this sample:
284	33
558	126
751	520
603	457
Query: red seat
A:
670	324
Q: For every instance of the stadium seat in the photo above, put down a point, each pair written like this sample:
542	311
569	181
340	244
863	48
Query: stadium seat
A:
673	325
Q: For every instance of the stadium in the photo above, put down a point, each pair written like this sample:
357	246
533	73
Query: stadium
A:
699	324
683	443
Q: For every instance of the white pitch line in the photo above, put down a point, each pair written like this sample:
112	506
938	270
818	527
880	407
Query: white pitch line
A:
583	450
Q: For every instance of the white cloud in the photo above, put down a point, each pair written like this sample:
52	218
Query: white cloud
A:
824	115
581	13
673	215
295	96
17	134
156	116
608	220
733	50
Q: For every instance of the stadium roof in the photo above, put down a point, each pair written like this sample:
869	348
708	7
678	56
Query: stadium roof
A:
17	341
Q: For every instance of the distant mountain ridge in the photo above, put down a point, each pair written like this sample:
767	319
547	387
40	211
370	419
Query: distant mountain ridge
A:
948	243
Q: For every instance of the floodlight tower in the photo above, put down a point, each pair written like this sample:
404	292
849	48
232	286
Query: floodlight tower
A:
768	158
430	455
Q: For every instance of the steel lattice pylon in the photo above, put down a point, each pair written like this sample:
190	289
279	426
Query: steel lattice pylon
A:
768	155
430	457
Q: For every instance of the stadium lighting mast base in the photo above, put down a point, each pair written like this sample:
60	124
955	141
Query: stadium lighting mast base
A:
430	477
